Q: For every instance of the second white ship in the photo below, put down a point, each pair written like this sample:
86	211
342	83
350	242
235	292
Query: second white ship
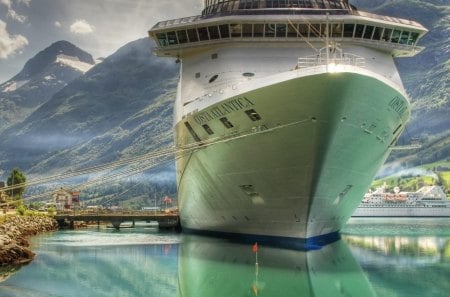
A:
428	201
285	110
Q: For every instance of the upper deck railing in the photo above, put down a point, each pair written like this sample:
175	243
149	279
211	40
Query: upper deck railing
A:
335	56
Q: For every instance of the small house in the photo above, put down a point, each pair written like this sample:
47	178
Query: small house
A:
66	200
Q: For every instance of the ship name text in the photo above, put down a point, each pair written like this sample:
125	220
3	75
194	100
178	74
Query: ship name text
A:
223	109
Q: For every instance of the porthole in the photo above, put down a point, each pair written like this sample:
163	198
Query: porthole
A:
212	79
248	74
192	132
208	129
253	115
226	123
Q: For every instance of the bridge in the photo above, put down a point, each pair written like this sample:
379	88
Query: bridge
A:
165	220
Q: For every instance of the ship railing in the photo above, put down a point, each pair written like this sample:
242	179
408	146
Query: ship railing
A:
338	59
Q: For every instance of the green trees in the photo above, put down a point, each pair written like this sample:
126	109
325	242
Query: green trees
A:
16	178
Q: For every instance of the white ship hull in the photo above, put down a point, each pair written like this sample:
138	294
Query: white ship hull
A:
302	173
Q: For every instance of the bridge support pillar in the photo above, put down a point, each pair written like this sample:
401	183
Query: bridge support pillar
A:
116	224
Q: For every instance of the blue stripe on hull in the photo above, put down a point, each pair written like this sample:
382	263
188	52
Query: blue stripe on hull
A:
302	244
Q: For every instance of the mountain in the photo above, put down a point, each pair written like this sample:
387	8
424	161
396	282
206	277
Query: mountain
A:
121	107
41	77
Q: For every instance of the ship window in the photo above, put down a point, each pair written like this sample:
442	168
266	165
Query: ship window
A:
208	129
303	30
236	4
203	34
368	32
395	36
413	38
214	56
292	30
226	123
258	30
269	30
348	30
359	31
224	31
377	33
235	30
314	30
172	38
182	36
192	132
253	115
162	39
192	34
281	30
212	79
247	30
387	35
213	32
404	38
248	74
336	30
222	7
197	75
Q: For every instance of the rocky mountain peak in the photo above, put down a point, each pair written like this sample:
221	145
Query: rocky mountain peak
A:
60	51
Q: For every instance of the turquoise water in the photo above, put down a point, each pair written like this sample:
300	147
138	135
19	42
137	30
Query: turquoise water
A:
376	257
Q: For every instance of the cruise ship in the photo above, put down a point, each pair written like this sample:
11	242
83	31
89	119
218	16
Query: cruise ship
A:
284	112
428	201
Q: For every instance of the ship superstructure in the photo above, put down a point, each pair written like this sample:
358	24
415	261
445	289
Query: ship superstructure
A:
285	110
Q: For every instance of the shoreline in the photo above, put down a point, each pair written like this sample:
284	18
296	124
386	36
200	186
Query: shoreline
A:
14	233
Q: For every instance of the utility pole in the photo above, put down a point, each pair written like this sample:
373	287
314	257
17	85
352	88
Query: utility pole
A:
12	185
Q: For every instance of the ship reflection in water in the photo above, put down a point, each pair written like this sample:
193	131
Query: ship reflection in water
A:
216	268
374	258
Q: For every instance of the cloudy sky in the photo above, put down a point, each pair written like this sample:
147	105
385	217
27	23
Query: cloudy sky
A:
98	26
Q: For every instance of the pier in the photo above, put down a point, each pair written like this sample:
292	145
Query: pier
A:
165	220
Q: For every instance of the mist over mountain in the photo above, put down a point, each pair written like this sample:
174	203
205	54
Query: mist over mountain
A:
41	77
119	107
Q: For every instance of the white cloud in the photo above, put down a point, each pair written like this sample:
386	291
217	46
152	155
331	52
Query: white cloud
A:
15	16
12	13
10	44
7	3
81	27
57	24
